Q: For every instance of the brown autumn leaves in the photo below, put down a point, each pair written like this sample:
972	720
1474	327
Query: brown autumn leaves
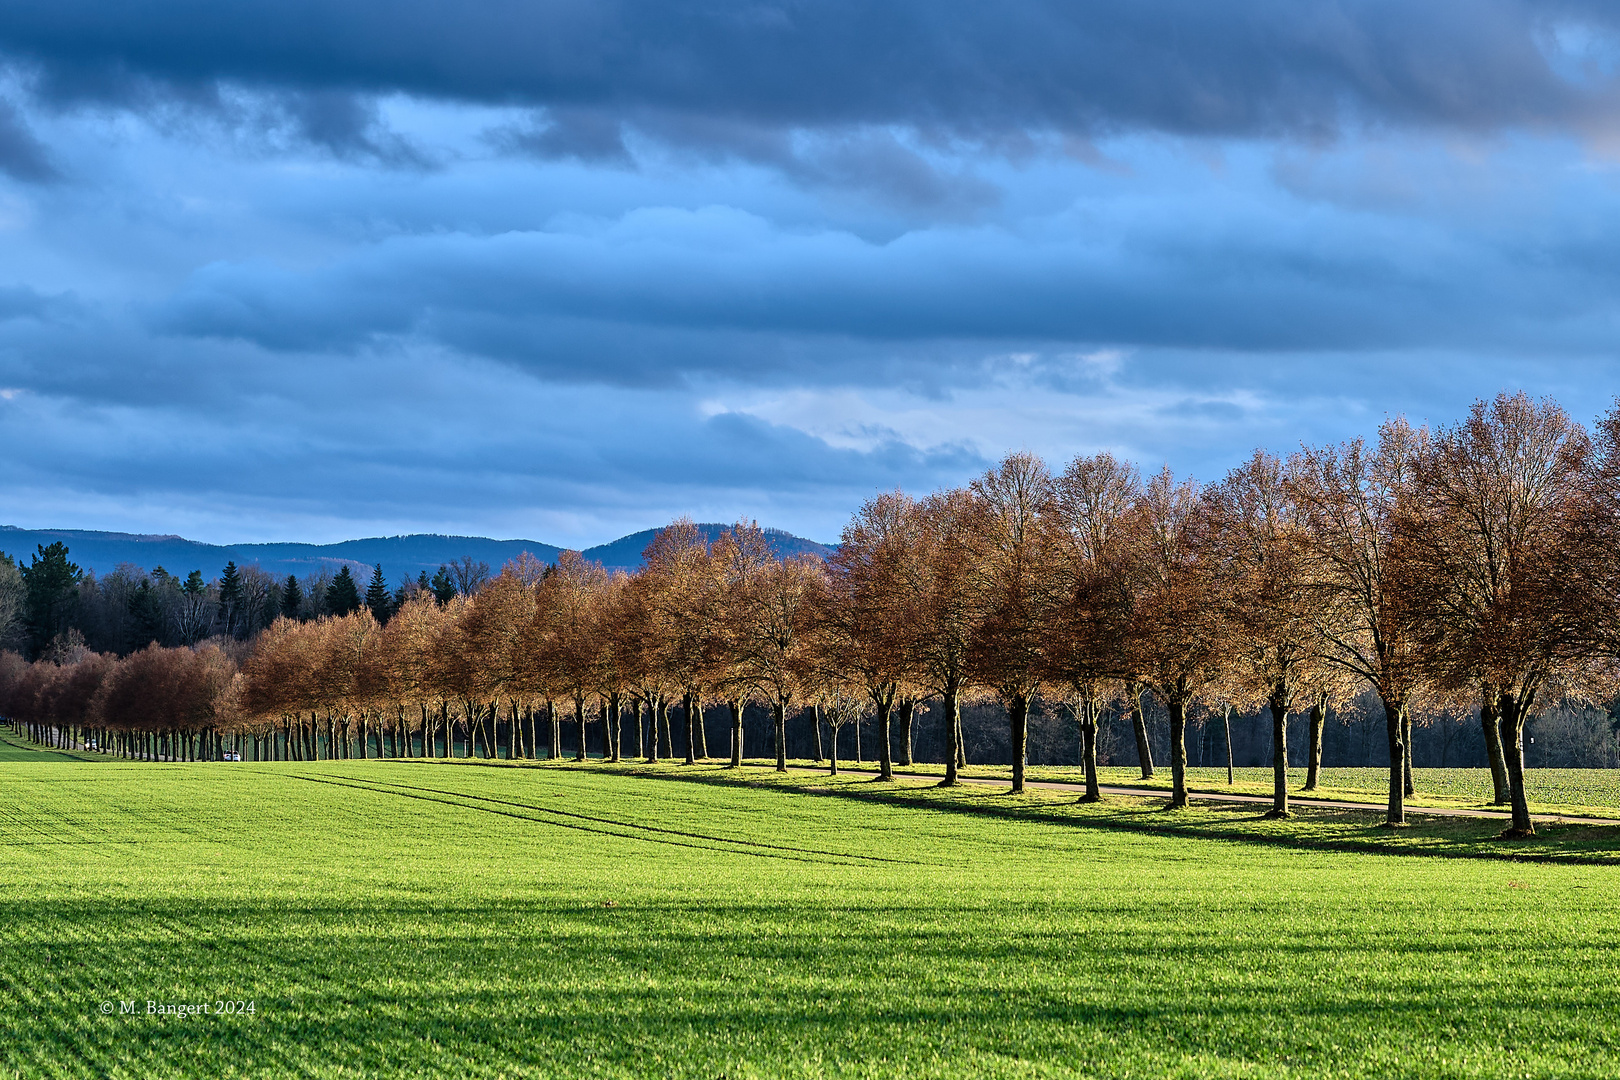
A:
1475	564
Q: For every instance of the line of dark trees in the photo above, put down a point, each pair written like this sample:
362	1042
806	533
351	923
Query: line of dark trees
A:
1473	570
49	602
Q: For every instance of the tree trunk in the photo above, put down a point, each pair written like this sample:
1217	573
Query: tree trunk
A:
735	708
779	719
834	758
908	711
1490	715
665	731
951	706
1313	756
1088	748
1406	737
1279	762
1018	714
690	707
1177	709
885	732
1396	812
652	743
1226	716
961	739
1144	748
579	716
556	730
815	721
615	736
1512	725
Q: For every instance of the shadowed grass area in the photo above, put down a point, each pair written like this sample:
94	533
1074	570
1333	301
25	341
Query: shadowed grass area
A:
1310	826
454	919
1576	792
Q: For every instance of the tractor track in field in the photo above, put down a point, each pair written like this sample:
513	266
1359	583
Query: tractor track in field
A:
1229	797
665	835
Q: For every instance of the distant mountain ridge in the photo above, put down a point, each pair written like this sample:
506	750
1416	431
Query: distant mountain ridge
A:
400	556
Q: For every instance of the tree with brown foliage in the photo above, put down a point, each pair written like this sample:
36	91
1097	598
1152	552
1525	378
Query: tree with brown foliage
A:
615	667
679	598
1351	497
278	680
770	606
863	612
1012	590
493	627
1090	613
640	660
1488	542
561	640
1177	630
936	615
1257	549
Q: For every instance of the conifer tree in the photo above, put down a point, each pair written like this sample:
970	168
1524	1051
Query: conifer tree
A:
230	599
51	582
377	598
443	585
292	597
343	595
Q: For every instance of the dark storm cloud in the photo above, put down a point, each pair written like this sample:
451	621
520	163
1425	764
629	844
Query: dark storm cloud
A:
347	125
766	258
662	294
1186	66
21	154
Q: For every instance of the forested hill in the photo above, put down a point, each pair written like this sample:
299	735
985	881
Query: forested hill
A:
625	552
400	556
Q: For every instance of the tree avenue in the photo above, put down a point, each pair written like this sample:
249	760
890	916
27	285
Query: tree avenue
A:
1477	565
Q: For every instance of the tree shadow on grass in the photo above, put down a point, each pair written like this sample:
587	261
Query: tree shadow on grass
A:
1309	828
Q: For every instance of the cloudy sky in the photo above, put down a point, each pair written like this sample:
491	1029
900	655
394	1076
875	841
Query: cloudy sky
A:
563	269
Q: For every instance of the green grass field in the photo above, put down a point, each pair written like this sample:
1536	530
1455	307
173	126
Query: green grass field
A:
13	748
467	920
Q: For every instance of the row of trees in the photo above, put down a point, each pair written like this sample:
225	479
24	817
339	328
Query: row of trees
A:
1473	564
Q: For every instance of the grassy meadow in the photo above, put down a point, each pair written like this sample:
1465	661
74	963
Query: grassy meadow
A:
481	920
